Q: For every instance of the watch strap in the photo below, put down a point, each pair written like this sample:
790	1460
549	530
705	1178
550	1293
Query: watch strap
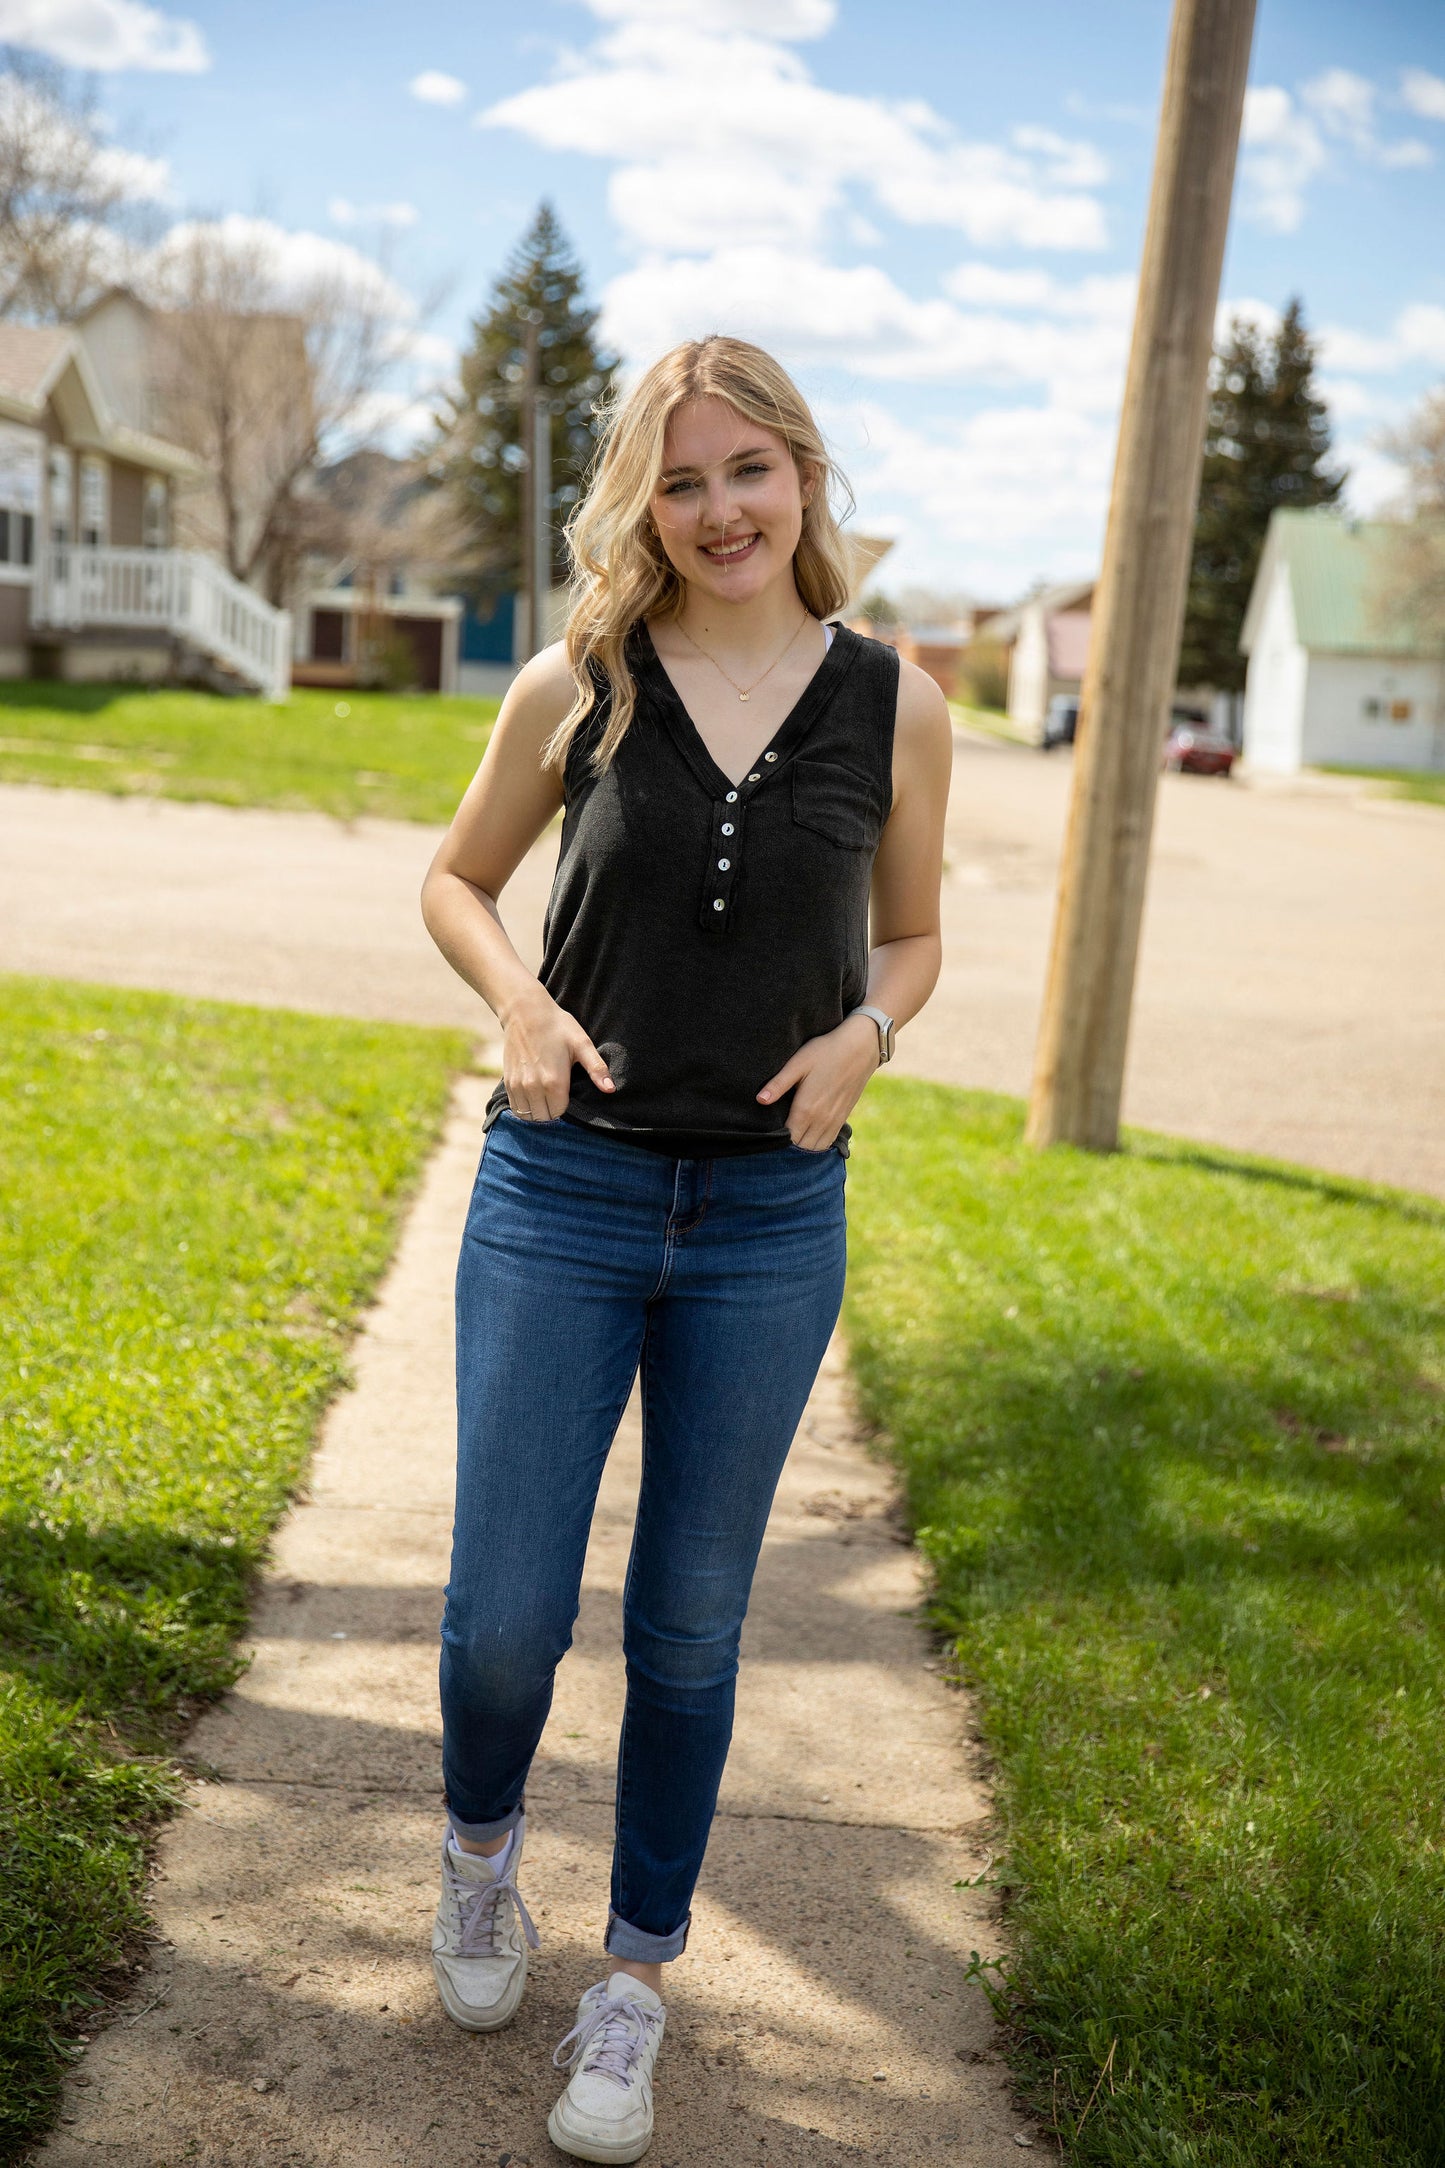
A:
884	1023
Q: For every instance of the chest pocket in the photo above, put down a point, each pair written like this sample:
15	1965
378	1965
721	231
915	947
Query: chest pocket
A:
837	803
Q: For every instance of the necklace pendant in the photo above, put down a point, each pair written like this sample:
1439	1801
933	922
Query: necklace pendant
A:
745	696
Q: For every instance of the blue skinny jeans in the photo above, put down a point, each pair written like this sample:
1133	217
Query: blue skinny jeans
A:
582	1260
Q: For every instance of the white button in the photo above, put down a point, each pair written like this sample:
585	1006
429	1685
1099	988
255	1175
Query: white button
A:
718	904
727	828
724	865
770	756
752	779
732	797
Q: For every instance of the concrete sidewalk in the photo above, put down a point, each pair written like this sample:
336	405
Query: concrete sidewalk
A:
821	2014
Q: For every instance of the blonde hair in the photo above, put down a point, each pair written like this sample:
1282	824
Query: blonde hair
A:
620	572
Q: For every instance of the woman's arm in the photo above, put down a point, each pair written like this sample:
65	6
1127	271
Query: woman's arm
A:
831	1071
508	803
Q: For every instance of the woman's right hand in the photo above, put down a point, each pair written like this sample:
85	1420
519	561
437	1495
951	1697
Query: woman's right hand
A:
540	1044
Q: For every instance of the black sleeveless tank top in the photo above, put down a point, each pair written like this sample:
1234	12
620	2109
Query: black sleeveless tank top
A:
701	930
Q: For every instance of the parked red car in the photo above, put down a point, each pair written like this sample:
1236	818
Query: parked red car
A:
1192	748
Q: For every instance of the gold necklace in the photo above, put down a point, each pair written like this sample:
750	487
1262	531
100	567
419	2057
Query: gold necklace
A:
743	692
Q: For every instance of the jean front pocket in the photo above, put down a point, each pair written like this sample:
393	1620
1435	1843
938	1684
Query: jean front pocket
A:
835	802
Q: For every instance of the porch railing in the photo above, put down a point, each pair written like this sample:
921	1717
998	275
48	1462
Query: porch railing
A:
180	592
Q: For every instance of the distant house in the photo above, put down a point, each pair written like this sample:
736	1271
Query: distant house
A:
376	610
91	585
938	650
1047	636
1332	679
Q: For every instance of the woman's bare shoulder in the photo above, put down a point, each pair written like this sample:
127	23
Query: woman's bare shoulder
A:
540	694
924	721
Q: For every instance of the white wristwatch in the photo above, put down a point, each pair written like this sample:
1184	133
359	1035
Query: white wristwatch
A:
885	1029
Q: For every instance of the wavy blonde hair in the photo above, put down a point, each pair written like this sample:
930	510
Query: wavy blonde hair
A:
620	571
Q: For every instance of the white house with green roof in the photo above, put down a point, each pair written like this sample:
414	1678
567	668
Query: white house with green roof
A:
1334	679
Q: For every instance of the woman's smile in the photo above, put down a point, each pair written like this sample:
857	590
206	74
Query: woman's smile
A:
726	553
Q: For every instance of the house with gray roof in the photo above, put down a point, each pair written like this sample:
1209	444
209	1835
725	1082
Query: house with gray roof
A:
91	583
1337	677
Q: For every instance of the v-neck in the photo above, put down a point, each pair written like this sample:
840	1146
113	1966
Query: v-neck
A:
837	660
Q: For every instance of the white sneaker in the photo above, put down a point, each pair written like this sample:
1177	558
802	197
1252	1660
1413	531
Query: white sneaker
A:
606	2112
478	1954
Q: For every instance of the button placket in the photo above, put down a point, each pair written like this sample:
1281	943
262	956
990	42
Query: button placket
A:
726	856
724	862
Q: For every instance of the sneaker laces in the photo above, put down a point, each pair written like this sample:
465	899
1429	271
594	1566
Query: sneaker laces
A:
609	2039
481	1906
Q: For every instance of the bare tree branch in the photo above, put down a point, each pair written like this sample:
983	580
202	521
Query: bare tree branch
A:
262	375
1411	590
72	206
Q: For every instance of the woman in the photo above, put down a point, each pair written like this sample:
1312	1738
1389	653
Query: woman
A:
661	1187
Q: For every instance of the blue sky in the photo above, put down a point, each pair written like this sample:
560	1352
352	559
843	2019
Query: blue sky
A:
931	212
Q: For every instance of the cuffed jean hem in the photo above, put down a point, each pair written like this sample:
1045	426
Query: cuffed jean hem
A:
480	1832
622	1940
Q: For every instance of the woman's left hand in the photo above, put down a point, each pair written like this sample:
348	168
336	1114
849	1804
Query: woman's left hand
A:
830	1073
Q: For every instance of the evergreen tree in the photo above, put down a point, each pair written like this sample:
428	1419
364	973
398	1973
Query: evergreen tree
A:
1267	443
483	440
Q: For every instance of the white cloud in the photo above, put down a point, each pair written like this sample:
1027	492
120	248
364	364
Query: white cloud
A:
1408	151
140	179
395	420
1072	339
294	263
343	212
984	285
1287	144
435	88
1416	336
720	134
678	206
1344	105
1282	153
1107	299
1373	486
1347	398
63	143
984	503
105	34
1069	163
1423	93
790	19
1263	316
431	350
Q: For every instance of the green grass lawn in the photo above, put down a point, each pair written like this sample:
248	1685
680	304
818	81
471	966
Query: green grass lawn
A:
407	756
1425	786
1172	1426
197	1199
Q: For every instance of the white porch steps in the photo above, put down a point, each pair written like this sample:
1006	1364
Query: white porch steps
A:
179	593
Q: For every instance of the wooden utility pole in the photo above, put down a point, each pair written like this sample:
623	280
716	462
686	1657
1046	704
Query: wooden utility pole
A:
529	493
541	517
1139	603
